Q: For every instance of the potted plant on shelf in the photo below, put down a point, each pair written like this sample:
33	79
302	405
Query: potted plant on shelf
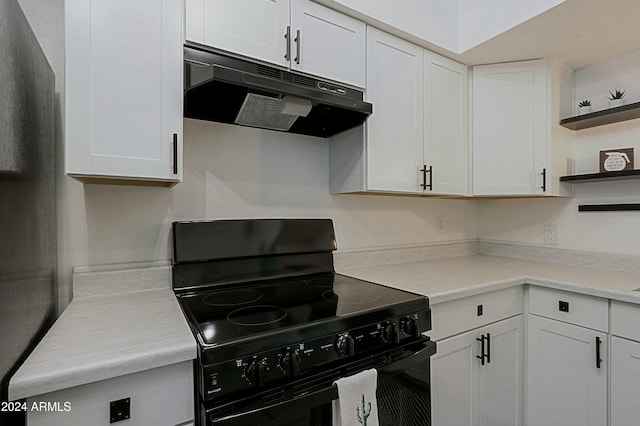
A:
616	98
584	107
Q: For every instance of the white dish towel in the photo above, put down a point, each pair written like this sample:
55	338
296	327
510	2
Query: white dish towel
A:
356	404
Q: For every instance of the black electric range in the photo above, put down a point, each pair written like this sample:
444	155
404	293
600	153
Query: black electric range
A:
270	313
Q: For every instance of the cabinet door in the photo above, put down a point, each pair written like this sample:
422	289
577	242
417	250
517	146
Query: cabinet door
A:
395	129
124	89
254	29
455	381
510	128
565	385
446	138
466	391
501	379
625	382
329	44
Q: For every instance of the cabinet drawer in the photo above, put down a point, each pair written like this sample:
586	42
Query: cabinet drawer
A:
573	308
461	315
160	396
625	318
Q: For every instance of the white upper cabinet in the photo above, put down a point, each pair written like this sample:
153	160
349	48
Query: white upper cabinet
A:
395	129
519	147
124	90
256	28
328	44
299	34
446	138
416	140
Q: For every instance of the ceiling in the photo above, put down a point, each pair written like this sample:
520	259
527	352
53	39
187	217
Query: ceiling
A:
576	33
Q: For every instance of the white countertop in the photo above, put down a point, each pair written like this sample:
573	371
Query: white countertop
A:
104	336
452	278
108	331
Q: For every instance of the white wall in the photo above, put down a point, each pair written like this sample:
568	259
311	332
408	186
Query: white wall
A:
480	21
235	172
452	25
522	221
596	81
434	22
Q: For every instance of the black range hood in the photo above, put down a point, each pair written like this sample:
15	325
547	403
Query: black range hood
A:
231	90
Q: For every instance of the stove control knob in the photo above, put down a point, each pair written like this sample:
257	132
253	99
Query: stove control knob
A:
390	332
345	344
291	362
410	326
256	371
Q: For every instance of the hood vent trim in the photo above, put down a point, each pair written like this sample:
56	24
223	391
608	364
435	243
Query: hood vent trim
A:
268	71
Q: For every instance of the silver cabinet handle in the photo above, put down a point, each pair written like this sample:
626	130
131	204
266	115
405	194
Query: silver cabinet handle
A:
287	36
298	42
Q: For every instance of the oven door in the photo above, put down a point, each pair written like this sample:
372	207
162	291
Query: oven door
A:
403	394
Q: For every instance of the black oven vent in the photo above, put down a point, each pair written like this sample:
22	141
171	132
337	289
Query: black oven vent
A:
268	71
300	79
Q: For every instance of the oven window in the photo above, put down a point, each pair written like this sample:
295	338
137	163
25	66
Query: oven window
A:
405	399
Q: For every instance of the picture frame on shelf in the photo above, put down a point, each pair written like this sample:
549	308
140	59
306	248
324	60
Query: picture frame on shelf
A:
616	160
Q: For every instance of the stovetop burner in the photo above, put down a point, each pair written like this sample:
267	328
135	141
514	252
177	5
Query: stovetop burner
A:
257	315
228	314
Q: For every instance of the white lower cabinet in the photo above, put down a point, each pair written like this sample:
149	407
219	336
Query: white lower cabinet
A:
477	372
566	358
625	382
161	396
625	364
471	389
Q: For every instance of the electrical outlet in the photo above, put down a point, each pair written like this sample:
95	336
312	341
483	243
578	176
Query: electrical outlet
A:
440	223
550	233
120	410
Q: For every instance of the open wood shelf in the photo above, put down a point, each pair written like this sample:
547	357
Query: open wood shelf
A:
605	176
605	116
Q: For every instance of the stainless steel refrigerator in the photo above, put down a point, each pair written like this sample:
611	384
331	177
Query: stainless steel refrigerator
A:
28	284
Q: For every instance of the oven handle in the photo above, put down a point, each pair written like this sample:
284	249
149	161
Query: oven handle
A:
327	394
423	355
418	357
